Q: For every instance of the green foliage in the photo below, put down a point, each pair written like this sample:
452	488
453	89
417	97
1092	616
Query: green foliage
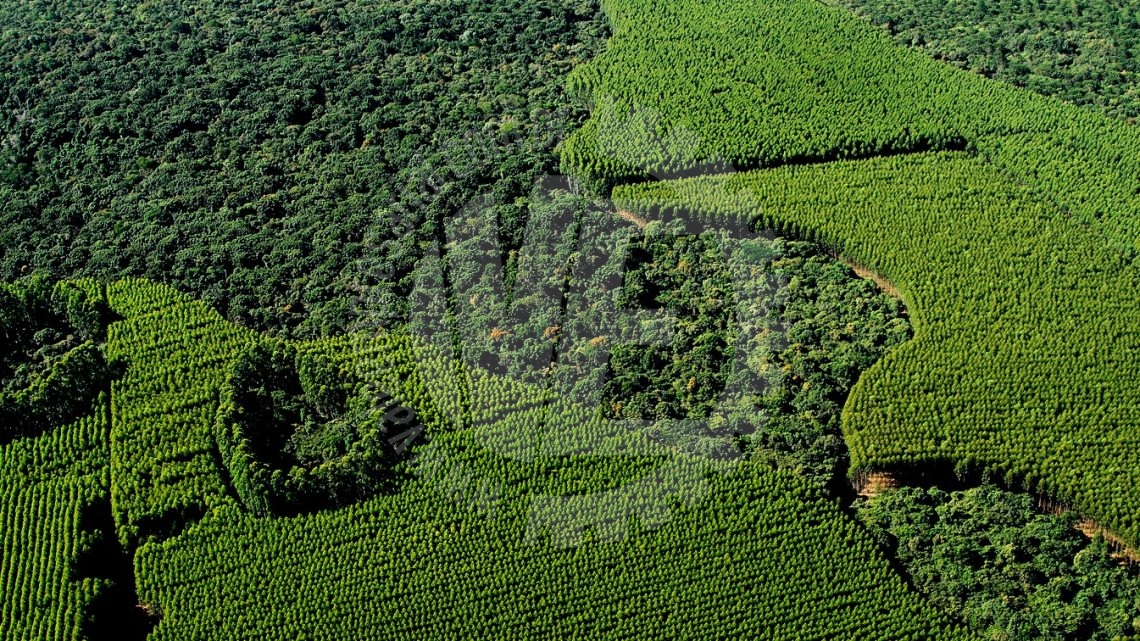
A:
165	470
791	82
686	275
821	327
51	363
1080	51
689	87
426	558
48	484
763	556
271	158
1024	319
256	158
834	327
292	439
552	315
989	557
1018	264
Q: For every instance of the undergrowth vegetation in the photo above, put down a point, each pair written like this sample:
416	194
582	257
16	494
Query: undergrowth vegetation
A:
993	559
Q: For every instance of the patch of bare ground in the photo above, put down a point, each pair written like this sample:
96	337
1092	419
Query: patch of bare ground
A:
1120	550
871	484
633	218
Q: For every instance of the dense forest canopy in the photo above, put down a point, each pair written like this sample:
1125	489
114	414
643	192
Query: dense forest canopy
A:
52	363
270	158
306	441
990	557
820	328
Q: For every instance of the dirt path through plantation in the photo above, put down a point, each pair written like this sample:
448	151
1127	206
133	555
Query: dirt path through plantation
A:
862	272
633	218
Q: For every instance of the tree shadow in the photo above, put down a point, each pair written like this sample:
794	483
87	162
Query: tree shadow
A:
114	614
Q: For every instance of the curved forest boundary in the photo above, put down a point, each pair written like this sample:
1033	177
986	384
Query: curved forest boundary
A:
1016	258
698	87
1023	358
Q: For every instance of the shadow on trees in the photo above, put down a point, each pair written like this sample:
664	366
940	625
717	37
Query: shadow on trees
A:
296	434
52	362
115	612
